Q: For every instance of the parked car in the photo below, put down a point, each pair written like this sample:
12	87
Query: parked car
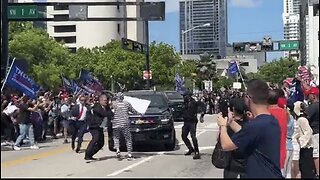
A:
156	126
176	104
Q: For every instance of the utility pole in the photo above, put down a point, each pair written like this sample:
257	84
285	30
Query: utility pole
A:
5	34
147	54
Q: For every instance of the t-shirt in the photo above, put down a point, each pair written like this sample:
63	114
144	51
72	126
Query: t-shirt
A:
313	113
24	114
282	116
262	133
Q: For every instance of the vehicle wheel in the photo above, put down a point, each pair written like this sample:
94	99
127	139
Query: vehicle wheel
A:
172	142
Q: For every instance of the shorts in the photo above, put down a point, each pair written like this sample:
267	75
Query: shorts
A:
315	144
65	123
296	150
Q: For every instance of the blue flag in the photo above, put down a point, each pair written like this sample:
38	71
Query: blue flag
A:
180	84
295	92
66	82
89	82
233	68
18	79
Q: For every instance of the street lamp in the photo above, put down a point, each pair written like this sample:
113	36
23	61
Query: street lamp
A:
184	32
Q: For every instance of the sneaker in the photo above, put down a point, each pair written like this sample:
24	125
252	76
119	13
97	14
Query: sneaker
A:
130	157
189	153
16	148
34	147
196	155
118	155
5	143
65	141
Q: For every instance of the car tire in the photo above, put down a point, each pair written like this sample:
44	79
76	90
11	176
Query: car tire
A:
170	146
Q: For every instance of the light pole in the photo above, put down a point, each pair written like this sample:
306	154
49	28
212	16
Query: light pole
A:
184	32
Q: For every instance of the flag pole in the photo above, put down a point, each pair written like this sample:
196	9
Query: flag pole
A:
244	85
5	81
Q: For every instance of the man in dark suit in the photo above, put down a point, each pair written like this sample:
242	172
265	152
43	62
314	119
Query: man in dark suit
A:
78	123
100	111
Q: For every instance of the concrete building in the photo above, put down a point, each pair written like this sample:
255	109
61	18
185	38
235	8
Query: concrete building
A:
87	34
211	39
249	64
290	17
261	57
310	36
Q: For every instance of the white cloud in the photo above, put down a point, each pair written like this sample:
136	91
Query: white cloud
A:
246	3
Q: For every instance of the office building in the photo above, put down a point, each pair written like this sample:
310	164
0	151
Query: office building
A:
89	34
199	38
290	17
309	33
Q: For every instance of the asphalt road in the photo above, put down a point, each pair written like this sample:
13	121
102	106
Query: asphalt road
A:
55	159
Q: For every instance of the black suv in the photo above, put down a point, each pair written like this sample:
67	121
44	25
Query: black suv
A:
175	103
156	126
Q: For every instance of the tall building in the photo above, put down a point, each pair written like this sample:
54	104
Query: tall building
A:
309	41
89	34
211	39
290	17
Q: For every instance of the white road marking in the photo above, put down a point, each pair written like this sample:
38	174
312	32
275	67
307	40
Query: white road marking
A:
131	166
145	160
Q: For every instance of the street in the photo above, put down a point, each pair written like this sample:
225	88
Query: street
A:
55	159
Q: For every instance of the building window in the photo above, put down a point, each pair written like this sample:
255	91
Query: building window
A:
61	17
67	28
73	50
244	64
118	28
61	7
67	39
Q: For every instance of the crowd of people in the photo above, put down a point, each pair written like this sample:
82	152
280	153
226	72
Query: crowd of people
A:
265	123
261	123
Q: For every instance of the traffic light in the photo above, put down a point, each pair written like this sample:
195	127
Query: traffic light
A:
134	46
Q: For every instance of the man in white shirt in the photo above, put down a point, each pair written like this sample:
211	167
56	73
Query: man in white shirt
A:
78	123
8	116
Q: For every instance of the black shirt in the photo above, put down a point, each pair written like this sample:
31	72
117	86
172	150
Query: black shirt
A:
262	133
24	114
313	114
190	111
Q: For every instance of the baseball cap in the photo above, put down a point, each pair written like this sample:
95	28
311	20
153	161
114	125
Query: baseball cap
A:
312	90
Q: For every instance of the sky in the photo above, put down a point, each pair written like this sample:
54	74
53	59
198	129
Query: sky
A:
248	20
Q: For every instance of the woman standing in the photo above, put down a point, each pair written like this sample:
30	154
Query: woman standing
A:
304	138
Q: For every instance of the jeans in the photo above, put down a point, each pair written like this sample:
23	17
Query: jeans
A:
25	129
190	127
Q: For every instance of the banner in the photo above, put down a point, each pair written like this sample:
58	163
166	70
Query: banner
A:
89	82
180	84
18	79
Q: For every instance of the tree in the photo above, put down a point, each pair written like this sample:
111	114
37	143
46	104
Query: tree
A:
46	57
277	71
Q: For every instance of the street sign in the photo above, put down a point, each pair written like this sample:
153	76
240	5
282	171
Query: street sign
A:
288	45
23	12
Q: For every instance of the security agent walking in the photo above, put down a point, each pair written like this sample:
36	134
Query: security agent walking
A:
99	112
190	111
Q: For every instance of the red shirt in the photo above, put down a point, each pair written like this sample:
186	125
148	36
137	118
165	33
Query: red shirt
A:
282	116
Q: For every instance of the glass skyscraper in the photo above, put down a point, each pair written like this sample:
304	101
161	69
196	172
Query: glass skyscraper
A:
211	39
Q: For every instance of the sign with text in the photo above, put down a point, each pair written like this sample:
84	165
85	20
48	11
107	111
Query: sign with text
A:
23	12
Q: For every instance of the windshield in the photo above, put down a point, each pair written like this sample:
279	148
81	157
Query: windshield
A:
156	100
174	96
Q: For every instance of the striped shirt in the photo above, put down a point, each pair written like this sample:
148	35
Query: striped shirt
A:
121	113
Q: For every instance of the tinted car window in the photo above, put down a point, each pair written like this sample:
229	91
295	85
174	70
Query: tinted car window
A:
174	95
156	99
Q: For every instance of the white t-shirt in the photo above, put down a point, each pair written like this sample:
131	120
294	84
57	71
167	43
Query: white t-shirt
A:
10	109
